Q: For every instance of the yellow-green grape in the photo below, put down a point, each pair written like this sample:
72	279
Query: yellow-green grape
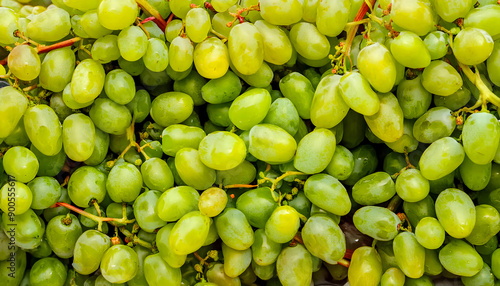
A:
309	42
119	264
271	144
216	276
157	175
310	10
29	228
49	26
277	46
220	20
409	254
411	186
222	5
358	95
171	108
250	108
106	49
376	64
246	48
374	189
484	17
234	229
15	197
456	213
132	43
181	54
486	226
410	51
377	222
429	233
450	11
236	261
9	24
189	233
262	78
211	58
281	13
87	81
332	16
91	26
176	202
24	63
294	266
82	6
472	46
119	86
178	136
437	44
393	277
78	137
328	107
44	129
192	170
441	78
480	137
117	14
441	158
158	272
417	16
459	258
493	64
324	238
435	123
212	201
163	245
12	109
222	150
387	123
283	224
156	56
173	30
407	142
328	193
198	24
57	69
181	7
315	151
365	268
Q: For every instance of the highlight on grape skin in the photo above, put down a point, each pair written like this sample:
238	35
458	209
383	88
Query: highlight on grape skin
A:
249	142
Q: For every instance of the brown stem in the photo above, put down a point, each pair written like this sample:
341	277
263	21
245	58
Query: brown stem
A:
240	186
344	262
45	49
351	32
153	12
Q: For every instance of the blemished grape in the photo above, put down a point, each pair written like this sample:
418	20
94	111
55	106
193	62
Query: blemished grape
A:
271	142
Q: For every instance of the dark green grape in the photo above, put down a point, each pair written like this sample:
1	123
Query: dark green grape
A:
48	271
86	184
62	233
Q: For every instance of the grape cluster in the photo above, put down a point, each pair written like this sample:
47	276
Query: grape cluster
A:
247	142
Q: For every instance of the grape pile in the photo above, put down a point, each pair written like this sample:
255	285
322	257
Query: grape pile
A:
250	142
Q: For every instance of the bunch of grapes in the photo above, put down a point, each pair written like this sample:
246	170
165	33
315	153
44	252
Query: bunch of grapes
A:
249	142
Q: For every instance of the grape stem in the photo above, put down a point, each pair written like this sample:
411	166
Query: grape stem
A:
277	180
240	186
344	262
148	8
485	95
134	239
394	203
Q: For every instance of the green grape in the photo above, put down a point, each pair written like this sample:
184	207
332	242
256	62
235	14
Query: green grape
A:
277	46
217	276
283	224
134	68
13	106
78	137
250	108
162	242
181	54
140	105
411	186
486	226
124	183
365	268
20	163
18	136
460	258
376	64
157	175
477	127
410	255
15	197
493	64
387	123
246	48
192	85
189	233
28	229
197	24
309	42
377	222
262	78
132	43
362	155
117	14
489	247
9	24
484	17
212	201
220	20
59	107
156	56
222	150
192	170
119	264
24	63
145	211
49	26
85	185
88	251
281	13
283	113
48	271
19	268
451	11
87	81
181	7
222	90
211	58
342	163
441	78
223	5
310	10
46	192
171	108
176	202
483	277
110	117
158	272
332	16
328	107
57	69
105	49
475	177
413	98
358	95
62	233
257	205
410	51
324	238
264	272
441	158
178	136
495	263
70	101
234	229
455	211
406	142
236	261
374	189
49	213
119	86
472	46
244	173
300	91
44	129
91	25
294	266
417	16
271	144
264	250
437	44
436	123
392	277
101	145
75	4
315	151
429	233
